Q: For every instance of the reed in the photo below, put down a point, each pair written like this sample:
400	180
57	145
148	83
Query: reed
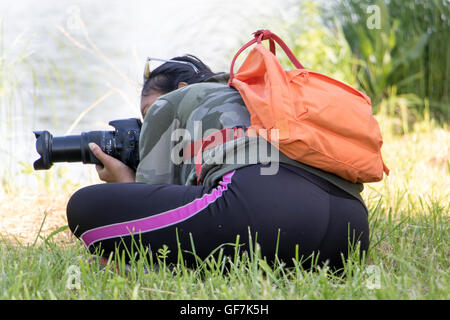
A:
406	56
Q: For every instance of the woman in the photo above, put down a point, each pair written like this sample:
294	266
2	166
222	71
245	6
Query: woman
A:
173	202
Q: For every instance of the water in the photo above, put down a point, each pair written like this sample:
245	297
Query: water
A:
59	79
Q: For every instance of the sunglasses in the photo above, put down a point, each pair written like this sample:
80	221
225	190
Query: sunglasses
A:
147	69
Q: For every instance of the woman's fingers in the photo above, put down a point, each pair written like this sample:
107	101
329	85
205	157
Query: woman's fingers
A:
112	170
100	170
97	151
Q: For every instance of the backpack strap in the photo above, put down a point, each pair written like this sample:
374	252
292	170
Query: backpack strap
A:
218	137
259	36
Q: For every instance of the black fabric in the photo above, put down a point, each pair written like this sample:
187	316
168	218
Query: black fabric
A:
290	208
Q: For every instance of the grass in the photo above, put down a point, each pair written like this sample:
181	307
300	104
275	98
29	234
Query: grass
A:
408	257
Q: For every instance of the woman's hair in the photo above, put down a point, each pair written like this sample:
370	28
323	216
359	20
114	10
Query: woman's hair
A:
166	77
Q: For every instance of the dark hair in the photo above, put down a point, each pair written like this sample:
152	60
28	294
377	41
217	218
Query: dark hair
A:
166	77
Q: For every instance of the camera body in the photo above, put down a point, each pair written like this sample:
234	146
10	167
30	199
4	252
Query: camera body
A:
122	144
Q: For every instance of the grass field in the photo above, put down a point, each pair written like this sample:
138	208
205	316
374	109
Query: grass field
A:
408	256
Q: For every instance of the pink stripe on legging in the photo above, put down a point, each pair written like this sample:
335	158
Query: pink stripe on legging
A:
157	221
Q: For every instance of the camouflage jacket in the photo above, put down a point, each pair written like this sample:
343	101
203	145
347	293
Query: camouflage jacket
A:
189	114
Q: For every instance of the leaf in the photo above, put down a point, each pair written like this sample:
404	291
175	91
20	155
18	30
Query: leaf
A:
365	44
409	53
59	230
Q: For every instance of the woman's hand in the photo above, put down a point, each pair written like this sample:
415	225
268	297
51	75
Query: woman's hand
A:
112	170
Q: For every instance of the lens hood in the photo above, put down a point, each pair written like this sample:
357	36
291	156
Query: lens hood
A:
43	147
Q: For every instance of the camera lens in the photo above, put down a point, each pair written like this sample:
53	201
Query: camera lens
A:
122	144
74	148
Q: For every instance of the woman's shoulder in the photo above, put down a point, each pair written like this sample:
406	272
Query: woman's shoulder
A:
205	88
221	77
201	94
194	91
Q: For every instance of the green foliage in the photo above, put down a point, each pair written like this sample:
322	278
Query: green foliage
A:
403	54
52	180
318	47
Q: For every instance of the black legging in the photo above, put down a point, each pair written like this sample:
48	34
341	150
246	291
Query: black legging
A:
290	208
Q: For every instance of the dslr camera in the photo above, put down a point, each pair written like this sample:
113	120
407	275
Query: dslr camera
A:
122	144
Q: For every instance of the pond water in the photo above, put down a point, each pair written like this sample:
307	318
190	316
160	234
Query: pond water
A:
65	71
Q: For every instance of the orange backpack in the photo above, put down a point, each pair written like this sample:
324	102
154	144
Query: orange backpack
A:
321	122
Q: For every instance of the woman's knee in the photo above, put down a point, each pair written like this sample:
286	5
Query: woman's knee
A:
79	210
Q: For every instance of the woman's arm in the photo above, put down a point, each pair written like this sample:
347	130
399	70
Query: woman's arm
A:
155	143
